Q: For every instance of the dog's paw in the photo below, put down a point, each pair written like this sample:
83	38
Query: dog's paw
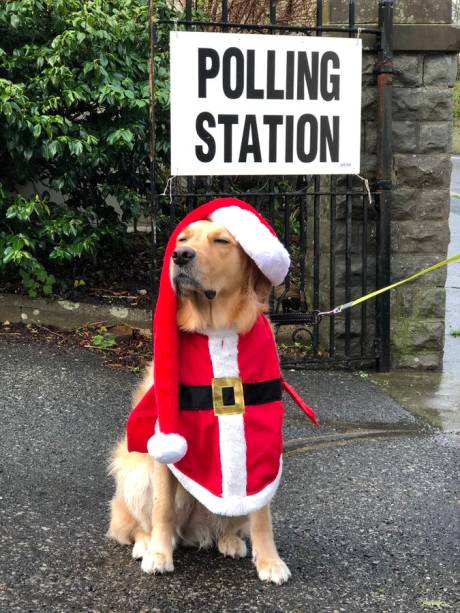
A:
139	549
232	546
157	563
273	571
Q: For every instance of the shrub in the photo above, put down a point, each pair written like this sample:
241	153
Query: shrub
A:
74	100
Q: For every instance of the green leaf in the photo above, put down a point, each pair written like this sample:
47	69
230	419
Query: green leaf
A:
122	136
104	341
8	254
53	148
75	147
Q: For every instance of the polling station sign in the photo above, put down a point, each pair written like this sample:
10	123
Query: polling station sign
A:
253	104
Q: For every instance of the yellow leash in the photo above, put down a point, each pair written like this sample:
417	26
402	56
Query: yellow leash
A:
382	290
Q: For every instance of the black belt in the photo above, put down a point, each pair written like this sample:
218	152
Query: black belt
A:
199	397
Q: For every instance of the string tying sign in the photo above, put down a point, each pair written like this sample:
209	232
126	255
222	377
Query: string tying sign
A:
256	104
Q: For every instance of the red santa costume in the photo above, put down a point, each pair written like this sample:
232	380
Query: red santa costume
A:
214	414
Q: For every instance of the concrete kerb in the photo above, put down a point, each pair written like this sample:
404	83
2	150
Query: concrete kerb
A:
69	315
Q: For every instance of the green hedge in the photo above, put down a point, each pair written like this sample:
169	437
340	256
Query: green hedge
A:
74	99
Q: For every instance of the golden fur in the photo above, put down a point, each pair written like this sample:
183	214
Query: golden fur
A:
221	288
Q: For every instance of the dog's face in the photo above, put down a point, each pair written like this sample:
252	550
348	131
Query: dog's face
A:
207	260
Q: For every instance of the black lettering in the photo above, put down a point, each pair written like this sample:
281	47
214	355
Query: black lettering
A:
290	75
250	133
237	55
273	121
289	144
251	92
331	139
206	137
272	93
308	75
313	147
228	121
204	72
334	79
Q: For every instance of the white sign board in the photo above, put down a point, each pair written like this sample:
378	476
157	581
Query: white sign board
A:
254	104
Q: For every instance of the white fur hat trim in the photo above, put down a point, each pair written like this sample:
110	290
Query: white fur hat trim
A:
256	240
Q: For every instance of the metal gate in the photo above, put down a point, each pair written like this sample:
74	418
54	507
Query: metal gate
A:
337	231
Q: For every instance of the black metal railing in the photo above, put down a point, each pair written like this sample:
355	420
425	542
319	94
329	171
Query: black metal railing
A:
338	234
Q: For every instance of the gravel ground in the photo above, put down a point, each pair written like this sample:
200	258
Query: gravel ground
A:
365	525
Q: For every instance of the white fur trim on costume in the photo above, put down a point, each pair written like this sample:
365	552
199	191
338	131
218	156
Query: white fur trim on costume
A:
231	506
167	448
256	240
223	349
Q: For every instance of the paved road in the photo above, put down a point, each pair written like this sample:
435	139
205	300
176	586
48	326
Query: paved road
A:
365	525
452	344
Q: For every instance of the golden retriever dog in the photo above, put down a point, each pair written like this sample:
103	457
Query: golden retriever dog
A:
150	509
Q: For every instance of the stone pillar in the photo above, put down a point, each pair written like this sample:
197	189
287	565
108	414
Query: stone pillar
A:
425	58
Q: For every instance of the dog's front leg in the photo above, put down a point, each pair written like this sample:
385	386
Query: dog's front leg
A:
270	567
159	555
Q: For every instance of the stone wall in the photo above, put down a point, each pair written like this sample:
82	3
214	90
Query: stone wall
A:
405	11
422	133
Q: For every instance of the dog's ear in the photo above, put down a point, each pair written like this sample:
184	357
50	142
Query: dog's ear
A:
258	283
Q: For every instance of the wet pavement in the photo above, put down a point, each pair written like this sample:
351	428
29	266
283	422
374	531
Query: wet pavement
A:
451	362
365	517
436	395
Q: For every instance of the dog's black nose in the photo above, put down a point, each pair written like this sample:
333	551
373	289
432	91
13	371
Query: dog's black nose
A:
183	255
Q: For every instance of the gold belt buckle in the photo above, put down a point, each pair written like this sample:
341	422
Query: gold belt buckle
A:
218	385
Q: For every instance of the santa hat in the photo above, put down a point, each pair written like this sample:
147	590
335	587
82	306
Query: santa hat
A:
258	239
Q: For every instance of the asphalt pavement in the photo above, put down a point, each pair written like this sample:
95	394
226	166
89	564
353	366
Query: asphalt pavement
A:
365	517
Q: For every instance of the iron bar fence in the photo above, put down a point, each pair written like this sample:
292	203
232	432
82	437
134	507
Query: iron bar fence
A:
338	237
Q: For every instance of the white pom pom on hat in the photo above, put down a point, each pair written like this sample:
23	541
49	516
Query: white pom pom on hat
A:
167	448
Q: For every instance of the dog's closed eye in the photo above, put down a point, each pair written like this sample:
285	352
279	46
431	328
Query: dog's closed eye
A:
223	241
